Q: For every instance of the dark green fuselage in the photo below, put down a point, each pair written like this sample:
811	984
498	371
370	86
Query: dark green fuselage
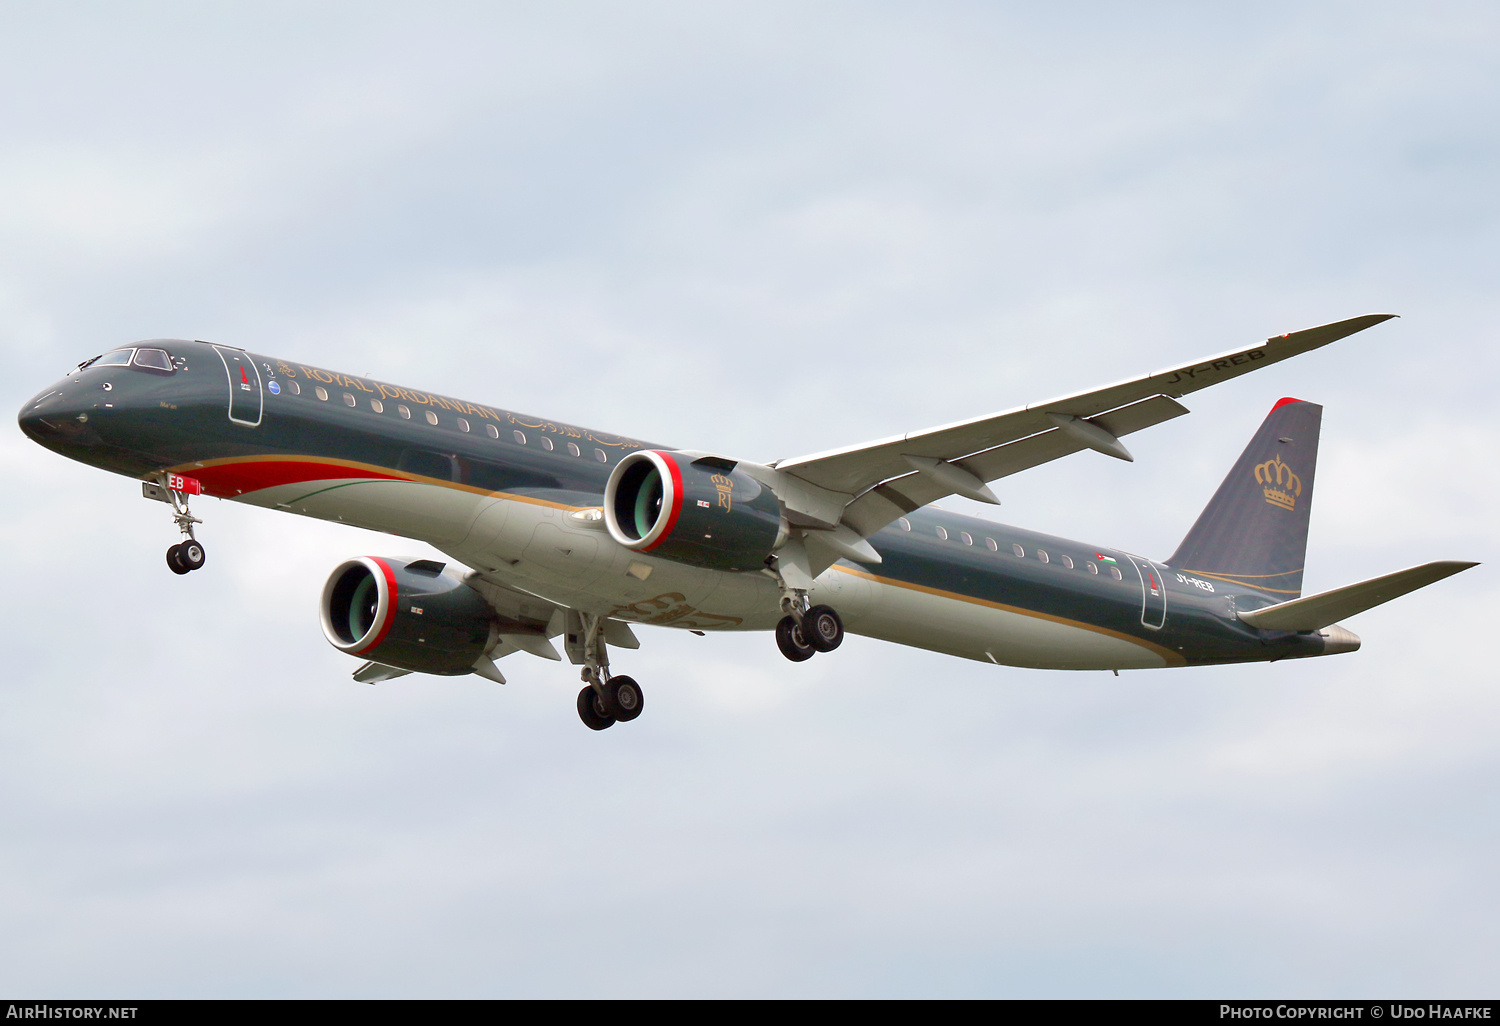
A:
242	423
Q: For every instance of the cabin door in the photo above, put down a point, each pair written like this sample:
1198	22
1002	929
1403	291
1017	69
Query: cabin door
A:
246	403
1153	593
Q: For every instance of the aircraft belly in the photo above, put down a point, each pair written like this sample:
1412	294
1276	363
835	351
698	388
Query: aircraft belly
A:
981	631
539	549
534	546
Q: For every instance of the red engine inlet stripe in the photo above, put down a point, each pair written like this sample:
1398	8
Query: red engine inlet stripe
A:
676	509
390	606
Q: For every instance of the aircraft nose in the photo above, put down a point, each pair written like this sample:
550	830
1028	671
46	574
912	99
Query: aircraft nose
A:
49	418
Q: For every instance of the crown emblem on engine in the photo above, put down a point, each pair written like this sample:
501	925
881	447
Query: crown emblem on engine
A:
1282	487
725	485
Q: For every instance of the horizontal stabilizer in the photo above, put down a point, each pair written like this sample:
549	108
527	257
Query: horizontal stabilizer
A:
1317	611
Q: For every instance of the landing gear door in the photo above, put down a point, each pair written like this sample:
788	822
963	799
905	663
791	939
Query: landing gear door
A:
1153	594
246	403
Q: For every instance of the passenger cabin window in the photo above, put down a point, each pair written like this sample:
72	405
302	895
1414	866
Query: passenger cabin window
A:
1067	561
546	443
1042	555
492	431
905	523
1114	572
463	425
153	359
989	543
377	406
1093	567
967	537
118	358
942	532
520	437
599	455
296	389
572	449
405	413
321	393
432	418
1020	552
349	400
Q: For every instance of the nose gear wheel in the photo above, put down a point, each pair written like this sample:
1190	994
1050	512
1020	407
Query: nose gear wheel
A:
190	554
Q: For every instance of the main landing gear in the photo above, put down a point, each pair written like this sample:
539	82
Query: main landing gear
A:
803	633
616	700
605	699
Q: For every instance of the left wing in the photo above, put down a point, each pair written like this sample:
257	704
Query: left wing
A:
865	487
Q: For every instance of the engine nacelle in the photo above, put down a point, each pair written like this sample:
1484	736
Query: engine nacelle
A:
697	511
411	615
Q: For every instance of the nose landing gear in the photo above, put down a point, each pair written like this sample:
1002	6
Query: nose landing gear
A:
189	554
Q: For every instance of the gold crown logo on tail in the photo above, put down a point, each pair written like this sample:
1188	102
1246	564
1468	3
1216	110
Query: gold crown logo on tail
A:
1282	486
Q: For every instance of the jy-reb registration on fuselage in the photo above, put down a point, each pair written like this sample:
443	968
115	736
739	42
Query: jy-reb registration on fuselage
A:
560	532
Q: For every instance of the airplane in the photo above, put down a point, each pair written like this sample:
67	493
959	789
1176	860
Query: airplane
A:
556	531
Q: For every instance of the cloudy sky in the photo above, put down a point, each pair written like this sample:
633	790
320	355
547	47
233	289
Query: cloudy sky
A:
764	229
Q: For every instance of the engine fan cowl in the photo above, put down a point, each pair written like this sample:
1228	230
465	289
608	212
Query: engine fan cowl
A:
416	616
699	511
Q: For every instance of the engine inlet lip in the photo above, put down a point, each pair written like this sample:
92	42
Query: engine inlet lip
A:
671	506
380	624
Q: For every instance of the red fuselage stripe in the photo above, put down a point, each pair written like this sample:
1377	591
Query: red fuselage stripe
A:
230	480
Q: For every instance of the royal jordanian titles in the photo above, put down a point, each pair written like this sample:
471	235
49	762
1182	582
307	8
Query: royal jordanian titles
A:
559	532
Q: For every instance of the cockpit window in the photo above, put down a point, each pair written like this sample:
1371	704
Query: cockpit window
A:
118	358
155	359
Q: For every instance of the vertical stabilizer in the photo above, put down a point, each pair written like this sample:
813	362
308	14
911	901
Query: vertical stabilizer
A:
1254	531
